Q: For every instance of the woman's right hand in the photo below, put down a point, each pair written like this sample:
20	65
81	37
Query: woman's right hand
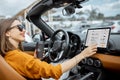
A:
90	50
75	60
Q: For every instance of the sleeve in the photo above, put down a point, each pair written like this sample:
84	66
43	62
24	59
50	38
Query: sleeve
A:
31	67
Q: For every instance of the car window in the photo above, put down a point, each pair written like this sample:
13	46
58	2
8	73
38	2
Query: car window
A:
93	14
28	38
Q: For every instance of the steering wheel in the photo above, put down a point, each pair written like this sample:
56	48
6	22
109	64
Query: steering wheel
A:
58	46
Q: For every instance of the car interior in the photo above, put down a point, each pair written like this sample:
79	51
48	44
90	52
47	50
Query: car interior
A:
102	66
62	45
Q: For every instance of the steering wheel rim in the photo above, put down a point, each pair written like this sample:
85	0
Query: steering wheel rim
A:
58	47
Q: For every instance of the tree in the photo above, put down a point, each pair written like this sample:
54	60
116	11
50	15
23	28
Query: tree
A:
100	16
92	13
117	16
80	13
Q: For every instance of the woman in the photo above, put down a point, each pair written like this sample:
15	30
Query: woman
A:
12	34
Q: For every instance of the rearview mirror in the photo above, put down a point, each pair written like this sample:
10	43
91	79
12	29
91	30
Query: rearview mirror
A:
69	10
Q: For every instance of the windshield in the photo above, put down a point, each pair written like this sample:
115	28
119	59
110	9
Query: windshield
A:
93	14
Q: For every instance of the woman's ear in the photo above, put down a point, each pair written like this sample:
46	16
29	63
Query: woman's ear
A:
7	33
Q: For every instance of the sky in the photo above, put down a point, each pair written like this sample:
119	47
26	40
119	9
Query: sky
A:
12	7
108	7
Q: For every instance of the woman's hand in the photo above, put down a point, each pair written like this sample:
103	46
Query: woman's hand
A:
75	60
35	54
90	50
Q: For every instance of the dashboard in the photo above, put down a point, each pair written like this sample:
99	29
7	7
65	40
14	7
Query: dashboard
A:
104	65
109	59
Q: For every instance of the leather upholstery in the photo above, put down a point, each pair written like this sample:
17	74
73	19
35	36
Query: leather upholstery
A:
7	72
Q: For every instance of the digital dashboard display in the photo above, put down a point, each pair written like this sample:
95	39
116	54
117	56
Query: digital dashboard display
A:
99	36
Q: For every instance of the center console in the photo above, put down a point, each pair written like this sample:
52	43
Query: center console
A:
91	69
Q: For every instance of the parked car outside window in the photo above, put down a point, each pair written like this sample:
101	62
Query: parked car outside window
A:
116	26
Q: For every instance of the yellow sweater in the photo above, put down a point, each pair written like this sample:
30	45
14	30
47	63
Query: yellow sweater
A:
31	67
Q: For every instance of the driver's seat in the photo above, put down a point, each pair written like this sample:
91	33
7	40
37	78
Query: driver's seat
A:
7	72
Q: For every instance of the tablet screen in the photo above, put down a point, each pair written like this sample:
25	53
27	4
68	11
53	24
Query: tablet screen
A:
98	36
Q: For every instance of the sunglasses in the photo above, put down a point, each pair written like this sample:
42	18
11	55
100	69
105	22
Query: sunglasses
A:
20	27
